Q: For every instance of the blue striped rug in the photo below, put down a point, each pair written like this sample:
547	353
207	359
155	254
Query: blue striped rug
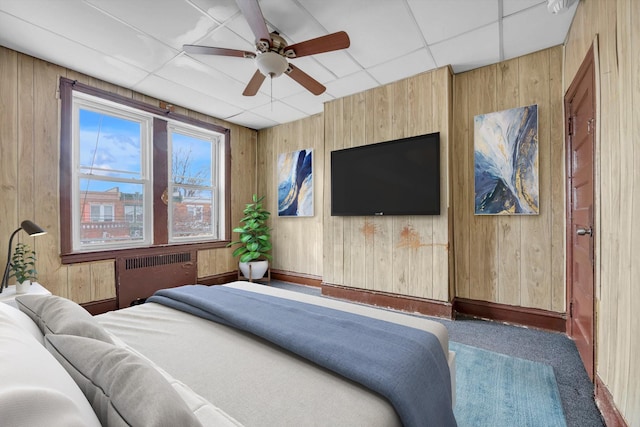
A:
495	390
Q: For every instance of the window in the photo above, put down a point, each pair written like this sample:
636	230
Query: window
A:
193	189
135	176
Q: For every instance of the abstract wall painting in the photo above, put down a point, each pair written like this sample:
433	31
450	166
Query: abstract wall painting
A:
506	162
295	183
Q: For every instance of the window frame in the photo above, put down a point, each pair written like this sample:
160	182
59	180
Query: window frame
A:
159	179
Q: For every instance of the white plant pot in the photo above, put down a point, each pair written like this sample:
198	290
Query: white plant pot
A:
23	288
258	269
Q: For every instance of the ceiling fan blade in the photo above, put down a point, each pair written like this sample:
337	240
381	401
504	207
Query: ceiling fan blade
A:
328	43
254	84
252	13
206	50
309	83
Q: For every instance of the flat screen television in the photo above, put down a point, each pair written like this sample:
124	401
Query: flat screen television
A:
400	177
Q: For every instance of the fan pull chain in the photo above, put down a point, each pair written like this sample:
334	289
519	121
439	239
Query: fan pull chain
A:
271	90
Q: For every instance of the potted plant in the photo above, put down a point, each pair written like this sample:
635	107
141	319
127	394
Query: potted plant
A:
254	240
23	267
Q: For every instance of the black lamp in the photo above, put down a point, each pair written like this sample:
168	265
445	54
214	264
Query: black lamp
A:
31	229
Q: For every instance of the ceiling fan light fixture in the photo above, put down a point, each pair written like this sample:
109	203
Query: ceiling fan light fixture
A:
271	64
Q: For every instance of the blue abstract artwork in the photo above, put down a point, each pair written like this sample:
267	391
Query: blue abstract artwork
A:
506	162
295	183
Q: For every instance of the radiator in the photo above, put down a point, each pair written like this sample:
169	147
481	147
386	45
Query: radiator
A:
138	277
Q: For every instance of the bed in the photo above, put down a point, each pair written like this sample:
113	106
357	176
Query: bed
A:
223	376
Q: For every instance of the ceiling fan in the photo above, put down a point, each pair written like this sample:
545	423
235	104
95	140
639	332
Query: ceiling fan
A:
272	52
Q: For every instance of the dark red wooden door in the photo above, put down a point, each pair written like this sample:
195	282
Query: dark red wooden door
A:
580	113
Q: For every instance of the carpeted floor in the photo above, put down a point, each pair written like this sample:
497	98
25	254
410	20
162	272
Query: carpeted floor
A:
554	349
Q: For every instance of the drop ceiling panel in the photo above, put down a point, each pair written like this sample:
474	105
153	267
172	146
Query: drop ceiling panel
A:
220	10
173	23
382	31
279	111
95	29
511	7
441	20
349	85
307	102
469	50
253	121
176	94
533	30
403	67
28	38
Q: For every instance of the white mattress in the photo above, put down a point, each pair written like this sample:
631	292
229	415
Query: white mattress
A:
253	381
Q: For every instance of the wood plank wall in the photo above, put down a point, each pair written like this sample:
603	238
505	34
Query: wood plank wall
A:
406	255
515	260
615	27
29	172
297	241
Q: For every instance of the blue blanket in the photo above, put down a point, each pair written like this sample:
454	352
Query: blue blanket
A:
405	365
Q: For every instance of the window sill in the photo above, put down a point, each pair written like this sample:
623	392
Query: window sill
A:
78	257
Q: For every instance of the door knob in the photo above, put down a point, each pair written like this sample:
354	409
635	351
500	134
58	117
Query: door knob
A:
584	231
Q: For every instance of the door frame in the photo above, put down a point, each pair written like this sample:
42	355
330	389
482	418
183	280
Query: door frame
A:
589	61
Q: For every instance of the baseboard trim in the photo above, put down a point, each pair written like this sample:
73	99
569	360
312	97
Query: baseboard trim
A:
299	278
607	406
102	306
219	279
524	316
394	301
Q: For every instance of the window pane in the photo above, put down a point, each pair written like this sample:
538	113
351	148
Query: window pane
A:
109	146
110	212
191	213
191	160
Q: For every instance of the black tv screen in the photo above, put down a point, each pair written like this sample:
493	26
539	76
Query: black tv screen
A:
400	177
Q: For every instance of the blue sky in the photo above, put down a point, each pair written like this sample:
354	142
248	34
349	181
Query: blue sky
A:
111	147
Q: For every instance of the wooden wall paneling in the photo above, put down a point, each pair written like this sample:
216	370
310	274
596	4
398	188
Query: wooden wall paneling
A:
329	221
558	178
369	225
25	140
536	252
608	196
204	260
353	260
398	261
46	135
441	118
626	221
355	230
632	405
333	237
414	239
79	282
483	237
383	247
509	227
103	280
8	139
314	247
462	183
401	256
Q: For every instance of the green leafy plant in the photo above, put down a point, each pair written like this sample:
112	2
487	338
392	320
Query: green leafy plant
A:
23	263
254	239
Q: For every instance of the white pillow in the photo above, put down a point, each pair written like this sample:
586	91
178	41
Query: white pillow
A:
123	389
21	320
57	315
35	390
